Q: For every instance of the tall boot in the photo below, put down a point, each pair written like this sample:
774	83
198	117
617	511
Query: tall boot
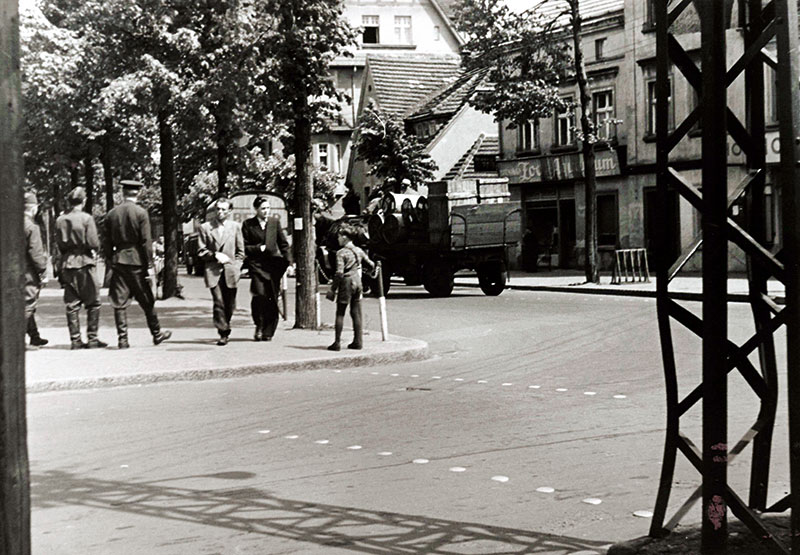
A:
92	324
355	312
121	321
74	326
33	332
159	335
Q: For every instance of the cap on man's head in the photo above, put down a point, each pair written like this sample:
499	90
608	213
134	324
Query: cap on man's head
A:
76	195
131	185
30	199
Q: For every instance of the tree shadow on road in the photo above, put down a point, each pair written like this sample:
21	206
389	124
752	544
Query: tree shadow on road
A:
255	511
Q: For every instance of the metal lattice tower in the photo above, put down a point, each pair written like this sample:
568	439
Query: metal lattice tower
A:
762	22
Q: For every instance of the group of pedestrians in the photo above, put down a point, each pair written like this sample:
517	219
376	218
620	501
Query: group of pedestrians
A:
224	245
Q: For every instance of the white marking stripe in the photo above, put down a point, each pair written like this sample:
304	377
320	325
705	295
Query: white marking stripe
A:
457	469
561	389
620	396
385	453
545	489
291	437
643	514
263	431
354	447
590	393
322	441
502	479
592	501
420	461
507	384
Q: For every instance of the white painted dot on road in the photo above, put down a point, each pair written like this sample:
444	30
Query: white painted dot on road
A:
123	466
415	375
437	378
482	381
561	389
322	442
385	453
291	437
534	386
394	375
592	501
501	479
420	461
590	393
354	447
620	396
507	384
643	514
545	489
458	379
263	431
457	469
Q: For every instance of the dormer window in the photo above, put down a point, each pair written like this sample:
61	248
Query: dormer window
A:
371	29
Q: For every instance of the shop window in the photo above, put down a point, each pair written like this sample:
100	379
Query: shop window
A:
603	111
565	125
402	29
371	29
528	136
607	218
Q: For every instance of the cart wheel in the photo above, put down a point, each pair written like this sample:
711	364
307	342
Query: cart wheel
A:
492	279
438	279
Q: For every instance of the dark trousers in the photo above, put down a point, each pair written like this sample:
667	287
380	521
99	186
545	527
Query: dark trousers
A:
264	307
224	298
131	282
32	290
80	288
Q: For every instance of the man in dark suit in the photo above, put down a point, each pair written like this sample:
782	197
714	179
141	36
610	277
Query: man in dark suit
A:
35	266
220	245
76	236
129	252
268	256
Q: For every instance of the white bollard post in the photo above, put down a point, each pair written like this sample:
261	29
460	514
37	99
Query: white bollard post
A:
382	305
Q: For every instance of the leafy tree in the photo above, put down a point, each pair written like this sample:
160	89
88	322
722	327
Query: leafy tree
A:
392	154
529	55
309	35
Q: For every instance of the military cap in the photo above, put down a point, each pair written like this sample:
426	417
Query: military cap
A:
76	195
131	185
30	199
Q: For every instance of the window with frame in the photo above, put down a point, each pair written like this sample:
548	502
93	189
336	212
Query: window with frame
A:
328	156
437	33
607	219
402	29
599	48
565	125
484	163
528	136
603	113
649	14
770	96
371	29
651	107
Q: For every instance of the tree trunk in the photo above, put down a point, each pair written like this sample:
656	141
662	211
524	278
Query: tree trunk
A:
15	537
169	205
88	170
587	128
74	175
108	175
222	119
306	276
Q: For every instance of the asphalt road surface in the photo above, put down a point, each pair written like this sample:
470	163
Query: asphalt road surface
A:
536	427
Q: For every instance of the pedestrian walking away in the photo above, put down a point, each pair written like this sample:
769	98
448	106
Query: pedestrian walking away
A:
35	267
76	237
346	288
267	255
129	253
220	245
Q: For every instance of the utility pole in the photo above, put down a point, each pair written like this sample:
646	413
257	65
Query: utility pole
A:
14	479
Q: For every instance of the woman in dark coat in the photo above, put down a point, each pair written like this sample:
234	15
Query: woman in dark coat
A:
267	255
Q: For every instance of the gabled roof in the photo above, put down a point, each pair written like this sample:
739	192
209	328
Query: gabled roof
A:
451	97
402	82
485	145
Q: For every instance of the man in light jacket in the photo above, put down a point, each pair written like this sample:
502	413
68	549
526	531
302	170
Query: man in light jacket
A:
221	246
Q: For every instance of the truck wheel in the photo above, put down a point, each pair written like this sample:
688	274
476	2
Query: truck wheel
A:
492	279
438	279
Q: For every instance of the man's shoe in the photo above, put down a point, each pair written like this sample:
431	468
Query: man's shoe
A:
259	335
38	342
75	345
266	338
355	345
334	347
161	336
123	344
96	344
222	341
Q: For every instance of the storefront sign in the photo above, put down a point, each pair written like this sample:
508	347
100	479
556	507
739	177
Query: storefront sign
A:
773	139
558	167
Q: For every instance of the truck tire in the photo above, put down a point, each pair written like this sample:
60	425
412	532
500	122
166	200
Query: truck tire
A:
438	279
492	279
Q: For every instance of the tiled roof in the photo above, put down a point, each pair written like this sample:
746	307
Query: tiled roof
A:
486	145
402	82
453	96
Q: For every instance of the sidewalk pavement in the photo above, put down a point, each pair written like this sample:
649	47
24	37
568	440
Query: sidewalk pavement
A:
191	353
573	281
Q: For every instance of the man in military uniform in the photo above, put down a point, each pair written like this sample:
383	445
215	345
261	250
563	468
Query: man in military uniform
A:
129	252
35	266
76	235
